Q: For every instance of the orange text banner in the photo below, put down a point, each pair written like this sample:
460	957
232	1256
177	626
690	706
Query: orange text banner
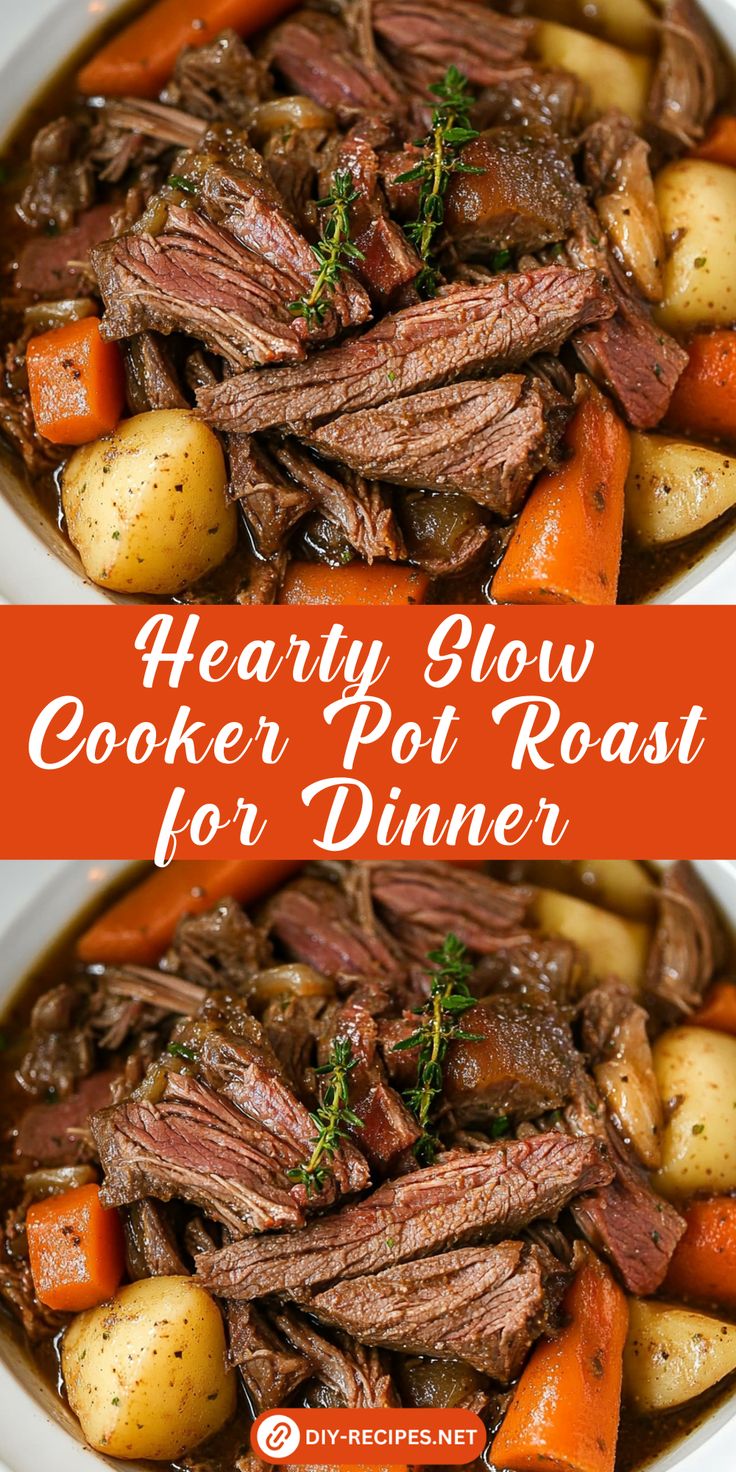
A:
313	732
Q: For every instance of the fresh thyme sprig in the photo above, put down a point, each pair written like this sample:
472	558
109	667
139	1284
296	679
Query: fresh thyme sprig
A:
450	131
449	998
334	251
332	1118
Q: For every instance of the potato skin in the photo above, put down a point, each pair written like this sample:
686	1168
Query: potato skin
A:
673	1354
615	78
675	487
146	507
696	1074
147	1373
697	205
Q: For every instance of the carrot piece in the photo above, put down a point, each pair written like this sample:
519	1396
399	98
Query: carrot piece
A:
564	1413
140	58
566	547
718	1009
704	400
356	584
76	1249
139	927
76	381
704	1261
720	145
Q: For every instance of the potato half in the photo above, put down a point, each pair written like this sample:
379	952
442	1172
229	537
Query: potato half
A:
147	1373
697	207
675	488
673	1354
613	945
146	507
696	1074
615	78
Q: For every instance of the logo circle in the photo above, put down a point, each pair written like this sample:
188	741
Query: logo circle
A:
277	1437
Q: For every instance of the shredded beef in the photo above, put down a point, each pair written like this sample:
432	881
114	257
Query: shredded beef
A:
688	945
62	181
151	1248
221	948
387	1128
353	1376
221	81
461	1199
312	919
686	85
151	379
271	1369
58	1133
457	335
358	507
314	54
423	40
421	903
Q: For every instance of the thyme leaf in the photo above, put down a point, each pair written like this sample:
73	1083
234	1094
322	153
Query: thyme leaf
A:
333	252
332	1119
450	132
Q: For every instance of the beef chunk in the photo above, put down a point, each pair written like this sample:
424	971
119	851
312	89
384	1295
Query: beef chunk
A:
152	381
151	1248
457	335
541	96
221	81
313	920
688	945
246	1071
220	948
61	1049
687	79
270	1368
423	41
542	970
461	1199
62	180
195	1145
522	195
351	1375
388	1129
625	1220
486	440
523	1063
421	903
197	278
57	266
389	261
484	1306
292	1028
272	504
313	52
55	1134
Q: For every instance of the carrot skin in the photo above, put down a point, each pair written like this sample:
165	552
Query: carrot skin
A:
139	59
704	401
382	584
704	1261
141	925
720	145
76	1249
76	382
566	546
564	1413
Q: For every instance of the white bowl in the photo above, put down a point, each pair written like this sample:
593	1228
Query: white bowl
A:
36	902
36	564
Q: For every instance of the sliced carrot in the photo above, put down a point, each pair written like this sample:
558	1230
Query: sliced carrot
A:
76	382
704	401
76	1249
140	58
566	547
383	583
564	1413
140	926
704	1261
718	1009
720	144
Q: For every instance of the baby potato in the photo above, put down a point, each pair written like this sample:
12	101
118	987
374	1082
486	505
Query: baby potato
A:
697	205
613	946
625	22
616	78
675	487
673	1354
147	1373
146	507
696	1075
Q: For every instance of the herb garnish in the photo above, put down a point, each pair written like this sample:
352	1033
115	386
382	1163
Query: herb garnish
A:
180	1050
333	252
449	998
185	186
332	1118
450	132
